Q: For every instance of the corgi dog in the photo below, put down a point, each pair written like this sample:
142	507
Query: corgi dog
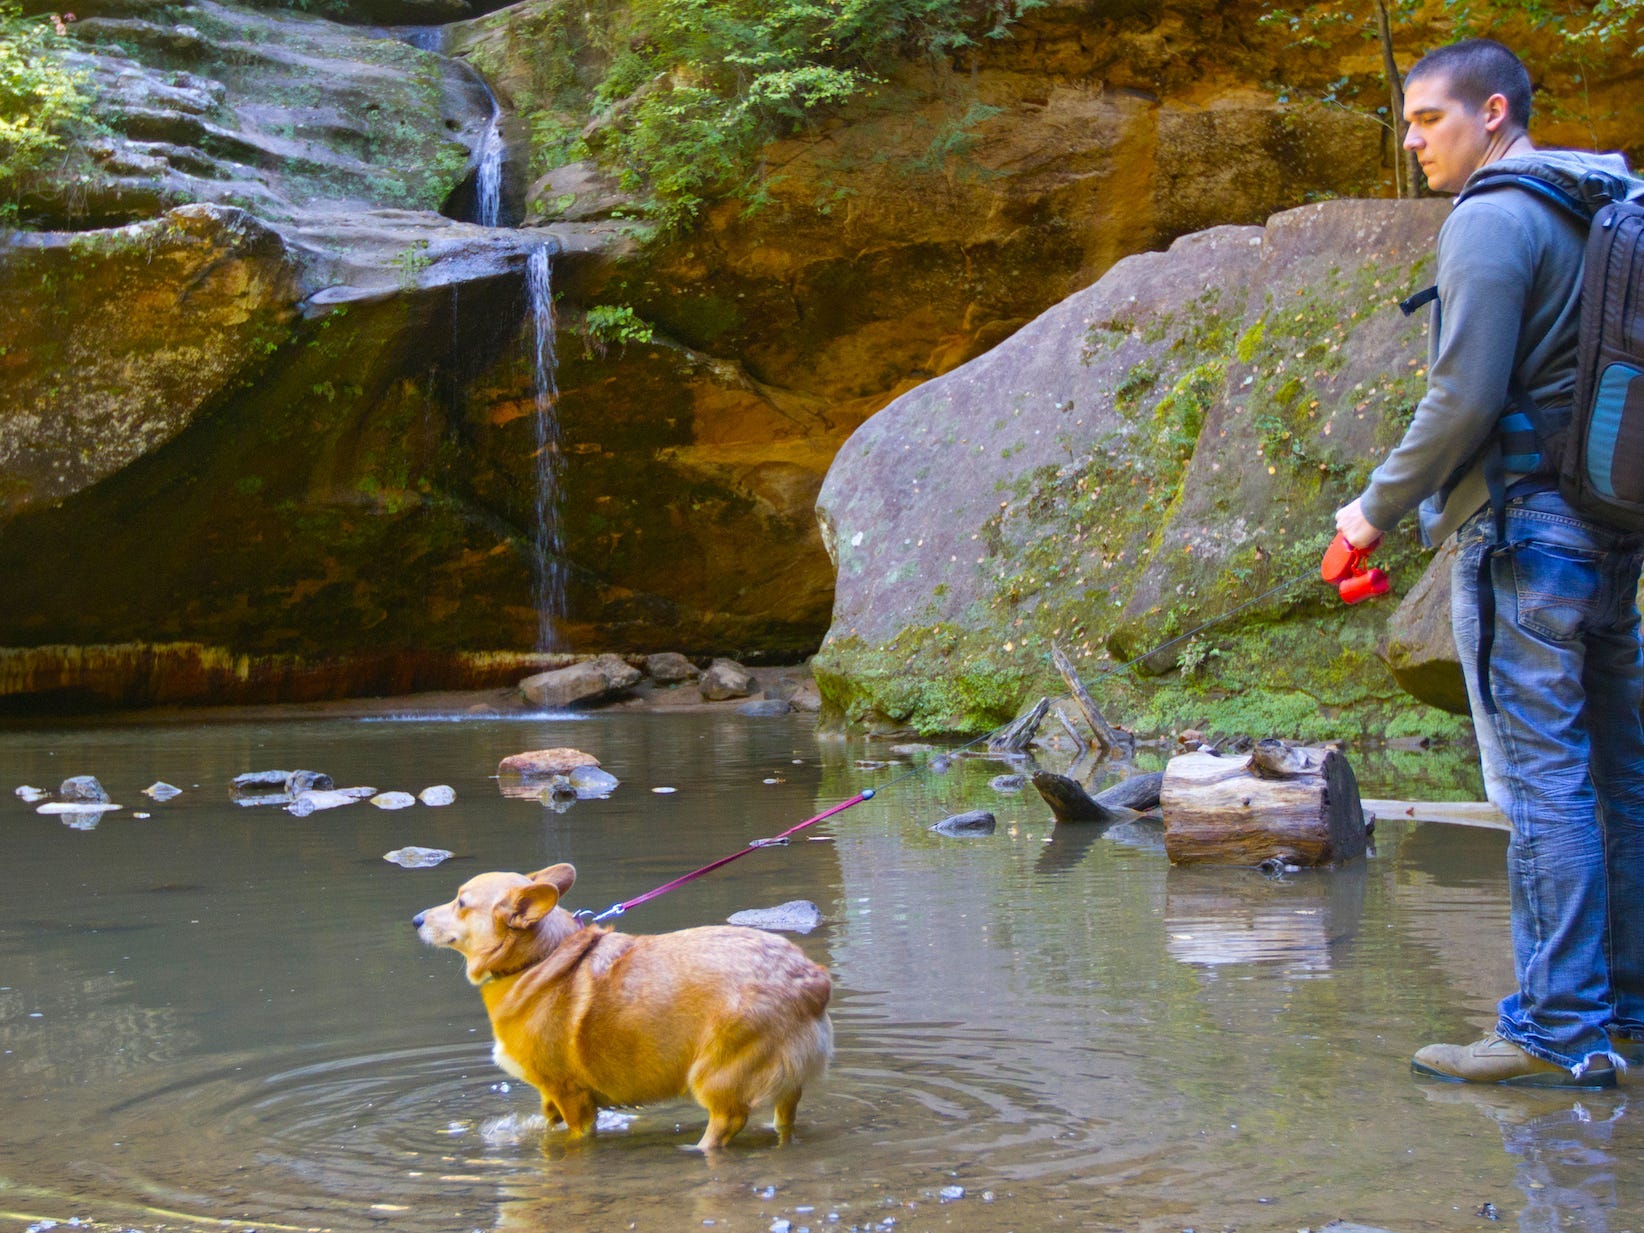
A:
735	1018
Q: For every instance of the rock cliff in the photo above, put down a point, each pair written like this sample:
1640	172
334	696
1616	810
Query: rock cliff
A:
1161	449
277	400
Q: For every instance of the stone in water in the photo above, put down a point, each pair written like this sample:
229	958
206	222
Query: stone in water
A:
417	858
439	794
393	800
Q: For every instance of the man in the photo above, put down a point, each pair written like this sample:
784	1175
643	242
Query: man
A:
1562	748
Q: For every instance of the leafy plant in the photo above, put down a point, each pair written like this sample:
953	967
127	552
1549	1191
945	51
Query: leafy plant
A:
43	101
703	84
608	324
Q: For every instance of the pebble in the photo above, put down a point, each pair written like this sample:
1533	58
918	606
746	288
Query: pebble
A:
31	794
664	791
160	790
949	1193
393	800
439	794
416	858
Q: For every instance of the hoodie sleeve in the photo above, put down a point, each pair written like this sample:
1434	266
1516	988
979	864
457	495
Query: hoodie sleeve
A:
1485	272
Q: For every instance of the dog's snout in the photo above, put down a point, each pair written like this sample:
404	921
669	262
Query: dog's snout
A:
418	919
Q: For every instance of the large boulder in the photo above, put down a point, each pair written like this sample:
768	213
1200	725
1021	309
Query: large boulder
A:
592	680
1162	448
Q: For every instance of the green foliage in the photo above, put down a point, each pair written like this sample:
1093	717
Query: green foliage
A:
703	84
608	324
43	102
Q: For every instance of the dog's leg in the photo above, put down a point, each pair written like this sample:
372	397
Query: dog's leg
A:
786	1106
723	1125
577	1108
551	1112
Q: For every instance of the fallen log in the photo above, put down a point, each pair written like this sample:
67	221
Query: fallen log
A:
1015	737
1104	732
1071	803
1220	810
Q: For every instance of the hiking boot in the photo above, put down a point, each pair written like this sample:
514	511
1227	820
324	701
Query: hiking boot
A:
1494	1060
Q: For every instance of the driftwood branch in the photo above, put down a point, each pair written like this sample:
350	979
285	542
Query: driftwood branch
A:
1106	737
1080	748
1016	736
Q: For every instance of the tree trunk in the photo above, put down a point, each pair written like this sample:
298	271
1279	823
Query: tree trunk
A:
1409	183
1294	806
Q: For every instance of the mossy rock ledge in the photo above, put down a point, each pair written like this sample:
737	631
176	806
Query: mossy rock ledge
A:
1157	450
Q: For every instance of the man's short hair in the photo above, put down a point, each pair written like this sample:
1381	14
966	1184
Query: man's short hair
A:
1477	68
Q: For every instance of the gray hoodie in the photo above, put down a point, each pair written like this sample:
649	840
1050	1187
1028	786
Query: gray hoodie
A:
1509	282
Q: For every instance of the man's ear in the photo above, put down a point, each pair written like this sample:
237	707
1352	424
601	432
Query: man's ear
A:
1496	112
524	907
563	877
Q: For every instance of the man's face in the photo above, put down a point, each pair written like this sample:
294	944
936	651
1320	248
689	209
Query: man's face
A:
1449	137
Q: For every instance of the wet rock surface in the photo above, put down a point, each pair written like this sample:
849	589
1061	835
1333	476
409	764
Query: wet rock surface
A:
417	858
795	916
83	789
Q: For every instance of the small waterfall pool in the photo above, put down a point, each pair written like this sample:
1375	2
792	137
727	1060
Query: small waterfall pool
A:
221	1017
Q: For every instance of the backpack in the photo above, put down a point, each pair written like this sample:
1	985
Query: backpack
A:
1594	452
1596	449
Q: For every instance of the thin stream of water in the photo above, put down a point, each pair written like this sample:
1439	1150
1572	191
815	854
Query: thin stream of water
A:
221	1016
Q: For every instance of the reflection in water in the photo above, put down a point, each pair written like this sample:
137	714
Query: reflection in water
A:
224	1013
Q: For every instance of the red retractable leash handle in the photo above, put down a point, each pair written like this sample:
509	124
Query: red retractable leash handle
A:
1344	566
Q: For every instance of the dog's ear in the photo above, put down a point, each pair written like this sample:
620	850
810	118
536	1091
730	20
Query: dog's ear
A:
563	877
524	907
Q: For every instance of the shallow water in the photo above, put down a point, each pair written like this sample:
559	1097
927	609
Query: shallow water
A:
221	1017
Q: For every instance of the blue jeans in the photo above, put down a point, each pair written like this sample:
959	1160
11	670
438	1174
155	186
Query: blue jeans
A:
1564	759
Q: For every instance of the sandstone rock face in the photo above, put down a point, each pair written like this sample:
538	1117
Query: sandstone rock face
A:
299	458
1154	452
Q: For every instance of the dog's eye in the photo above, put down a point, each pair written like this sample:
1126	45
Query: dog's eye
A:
462	903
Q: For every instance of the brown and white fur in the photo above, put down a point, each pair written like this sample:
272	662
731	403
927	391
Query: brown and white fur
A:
735	1018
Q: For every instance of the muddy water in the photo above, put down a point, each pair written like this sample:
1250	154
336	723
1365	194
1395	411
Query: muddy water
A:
219	1017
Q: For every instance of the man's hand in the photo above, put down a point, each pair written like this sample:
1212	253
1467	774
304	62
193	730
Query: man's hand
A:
1353	525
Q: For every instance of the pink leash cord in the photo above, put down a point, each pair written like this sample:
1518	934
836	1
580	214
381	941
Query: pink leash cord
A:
617	909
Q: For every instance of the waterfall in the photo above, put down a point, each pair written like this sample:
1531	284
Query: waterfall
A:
547	550
488	175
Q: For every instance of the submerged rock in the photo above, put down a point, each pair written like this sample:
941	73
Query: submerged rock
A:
725	679
795	916
590	782
439	794
393	800
1008	783
764	708
544	763
160	790
417	858
30	794
976	822
83	788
